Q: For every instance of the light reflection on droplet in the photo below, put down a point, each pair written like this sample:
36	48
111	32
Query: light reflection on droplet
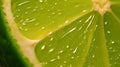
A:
108	32
43	47
52	60
75	50
51	50
113	42
40	1
23	3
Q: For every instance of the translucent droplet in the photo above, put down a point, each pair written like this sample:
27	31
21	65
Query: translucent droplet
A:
40	1
51	50
51	39
108	32
43	47
113	42
52	60
75	50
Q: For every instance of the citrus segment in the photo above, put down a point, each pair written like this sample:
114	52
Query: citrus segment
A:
116	11
68	47
98	53
112	32
36	19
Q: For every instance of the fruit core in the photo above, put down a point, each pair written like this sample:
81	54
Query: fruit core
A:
101	6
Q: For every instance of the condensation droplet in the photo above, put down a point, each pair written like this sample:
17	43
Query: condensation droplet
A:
108	32
93	56
61	51
113	42
52	60
23	3
58	57
51	39
106	23
65	61
50	33
43	47
75	50
51	50
67	46
40	1
26	29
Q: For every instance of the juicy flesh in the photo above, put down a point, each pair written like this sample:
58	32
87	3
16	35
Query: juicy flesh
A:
99	5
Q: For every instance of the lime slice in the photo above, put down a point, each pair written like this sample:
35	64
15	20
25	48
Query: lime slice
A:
62	33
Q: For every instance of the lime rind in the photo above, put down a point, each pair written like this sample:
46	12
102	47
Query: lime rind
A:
8	43
17	40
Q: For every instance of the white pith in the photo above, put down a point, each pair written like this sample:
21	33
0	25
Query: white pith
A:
27	46
101	6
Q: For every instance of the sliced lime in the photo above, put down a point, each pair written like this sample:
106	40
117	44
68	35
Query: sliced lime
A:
63	33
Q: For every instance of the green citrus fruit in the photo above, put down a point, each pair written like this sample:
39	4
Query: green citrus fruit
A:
61	33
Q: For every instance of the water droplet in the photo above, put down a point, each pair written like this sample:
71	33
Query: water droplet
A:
51	39
43	47
51	50
40	1
67	21
72	57
88	18
34	9
26	29
52	60
108	32
106	23
65	61
56	3
61	66
61	51
58	57
50	33
59	13
65	0
24	23
93	56
26	12
113	42
67	46
23	3
75	50
17	16
21	28
72	29
84	10
43	28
